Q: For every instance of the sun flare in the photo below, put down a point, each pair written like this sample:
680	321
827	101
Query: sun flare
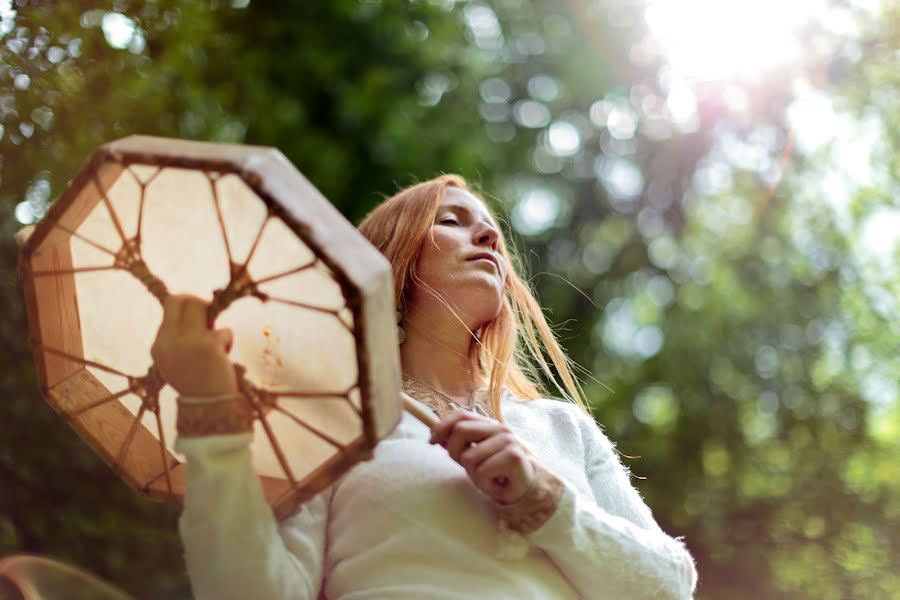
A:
727	39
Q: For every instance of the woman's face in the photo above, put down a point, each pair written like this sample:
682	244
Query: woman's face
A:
460	261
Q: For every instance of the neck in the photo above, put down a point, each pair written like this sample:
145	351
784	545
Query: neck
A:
440	352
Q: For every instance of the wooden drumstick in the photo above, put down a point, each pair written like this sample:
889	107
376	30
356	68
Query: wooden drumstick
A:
428	418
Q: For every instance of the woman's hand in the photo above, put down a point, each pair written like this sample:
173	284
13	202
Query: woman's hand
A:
191	356
489	452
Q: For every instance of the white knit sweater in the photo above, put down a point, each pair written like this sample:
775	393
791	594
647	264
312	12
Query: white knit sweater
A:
410	524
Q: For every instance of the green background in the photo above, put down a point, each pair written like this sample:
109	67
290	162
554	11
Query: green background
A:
735	334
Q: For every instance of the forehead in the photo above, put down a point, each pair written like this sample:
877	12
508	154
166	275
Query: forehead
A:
456	198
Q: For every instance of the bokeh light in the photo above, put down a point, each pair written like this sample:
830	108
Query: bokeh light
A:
723	39
122	32
536	212
563	139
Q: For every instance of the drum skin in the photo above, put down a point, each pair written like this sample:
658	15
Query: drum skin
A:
309	300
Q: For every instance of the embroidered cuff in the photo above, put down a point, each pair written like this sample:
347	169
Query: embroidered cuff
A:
538	504
217	415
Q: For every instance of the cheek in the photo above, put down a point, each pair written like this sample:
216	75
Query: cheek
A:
434	260
444	246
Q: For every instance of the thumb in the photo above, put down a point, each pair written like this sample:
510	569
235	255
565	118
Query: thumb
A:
226	338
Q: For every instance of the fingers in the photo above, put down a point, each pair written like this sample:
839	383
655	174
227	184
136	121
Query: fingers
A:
193	313
467	432
490	453
183	315
476	453
225	338
506	475
460	429
181	311
441	432
190	356
171	312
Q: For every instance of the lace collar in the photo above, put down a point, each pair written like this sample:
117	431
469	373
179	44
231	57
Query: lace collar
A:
443	405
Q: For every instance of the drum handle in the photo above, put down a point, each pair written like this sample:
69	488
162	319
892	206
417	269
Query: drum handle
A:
419	411
429	419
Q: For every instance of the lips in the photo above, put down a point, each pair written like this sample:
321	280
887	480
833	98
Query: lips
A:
487	256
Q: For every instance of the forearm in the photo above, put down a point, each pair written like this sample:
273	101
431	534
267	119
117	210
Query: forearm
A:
608	556
601	554
234	547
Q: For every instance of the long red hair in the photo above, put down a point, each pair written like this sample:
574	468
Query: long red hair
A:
518	339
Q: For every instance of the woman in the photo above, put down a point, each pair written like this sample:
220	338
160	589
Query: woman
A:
516	497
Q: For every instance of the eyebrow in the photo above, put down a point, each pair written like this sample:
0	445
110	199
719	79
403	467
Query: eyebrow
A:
465	209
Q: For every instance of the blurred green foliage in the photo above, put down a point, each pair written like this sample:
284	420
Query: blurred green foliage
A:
713	271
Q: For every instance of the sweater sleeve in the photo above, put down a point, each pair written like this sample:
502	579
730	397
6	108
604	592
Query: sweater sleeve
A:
607	545
234	548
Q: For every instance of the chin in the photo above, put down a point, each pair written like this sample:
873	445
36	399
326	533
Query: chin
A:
478	300
483	309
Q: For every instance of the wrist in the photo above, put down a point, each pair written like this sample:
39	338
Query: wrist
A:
536	505
529	489
207	385
221	414
206	391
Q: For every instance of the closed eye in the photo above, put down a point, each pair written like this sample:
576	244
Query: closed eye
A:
448	221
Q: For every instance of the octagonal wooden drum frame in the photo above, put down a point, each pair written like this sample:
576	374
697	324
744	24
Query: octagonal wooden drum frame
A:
131	426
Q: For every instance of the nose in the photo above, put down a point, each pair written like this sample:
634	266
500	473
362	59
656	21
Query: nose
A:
487	235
